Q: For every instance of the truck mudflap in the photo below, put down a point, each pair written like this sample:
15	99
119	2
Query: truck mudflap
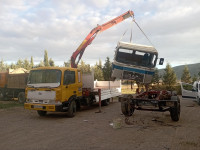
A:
43	107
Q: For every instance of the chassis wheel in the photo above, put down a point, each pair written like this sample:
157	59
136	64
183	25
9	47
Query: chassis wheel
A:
105	102
21	97
41	113
72	109
126	108
175	111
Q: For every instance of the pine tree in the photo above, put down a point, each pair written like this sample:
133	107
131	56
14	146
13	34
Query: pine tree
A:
26	64
2	65
186	77
46	59
31	63
85	68
107	69
67	64
51	62
98	72
169	77
19	64
194	78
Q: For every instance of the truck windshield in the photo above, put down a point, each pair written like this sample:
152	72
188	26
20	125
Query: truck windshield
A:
137	58
44	78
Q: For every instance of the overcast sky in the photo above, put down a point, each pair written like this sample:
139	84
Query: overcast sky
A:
28	27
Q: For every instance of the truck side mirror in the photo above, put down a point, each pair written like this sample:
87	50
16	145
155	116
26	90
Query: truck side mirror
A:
161	61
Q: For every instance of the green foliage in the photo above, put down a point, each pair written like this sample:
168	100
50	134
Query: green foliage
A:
169	77
51	62
46	59
3	66
186	75
31	63
194	78
67	64
107	69
85	68
98	72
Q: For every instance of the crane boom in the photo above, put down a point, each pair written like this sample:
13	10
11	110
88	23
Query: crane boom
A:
90	37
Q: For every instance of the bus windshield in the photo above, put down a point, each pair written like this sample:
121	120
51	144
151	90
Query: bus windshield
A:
137	58
51	78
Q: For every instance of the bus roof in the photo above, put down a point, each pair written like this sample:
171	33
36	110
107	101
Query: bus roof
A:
137	47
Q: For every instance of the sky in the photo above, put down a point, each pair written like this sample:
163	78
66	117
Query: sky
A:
27	28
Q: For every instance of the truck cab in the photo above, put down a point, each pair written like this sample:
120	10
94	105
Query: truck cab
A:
191	91
53	89
134	62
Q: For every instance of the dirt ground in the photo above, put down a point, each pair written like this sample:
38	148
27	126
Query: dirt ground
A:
24	130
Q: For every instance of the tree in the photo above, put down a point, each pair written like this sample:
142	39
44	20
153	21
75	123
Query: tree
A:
156	77
26	64
194	78
2	65
31	63
12	66
169	77
107	69
41	64
186	77
199	75
51	62
85	68
46	59
98	72
19	64
67	64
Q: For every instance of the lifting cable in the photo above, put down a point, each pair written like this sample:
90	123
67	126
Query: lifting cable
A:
132	31
143	32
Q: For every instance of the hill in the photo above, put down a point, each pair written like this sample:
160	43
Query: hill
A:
193	69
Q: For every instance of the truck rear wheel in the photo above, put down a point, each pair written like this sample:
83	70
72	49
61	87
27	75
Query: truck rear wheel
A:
72	109
42	113
21	97
106	102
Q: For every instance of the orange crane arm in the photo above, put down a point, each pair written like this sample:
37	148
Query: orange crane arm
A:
90	37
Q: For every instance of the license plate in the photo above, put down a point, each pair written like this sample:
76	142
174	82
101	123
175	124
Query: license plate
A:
38	106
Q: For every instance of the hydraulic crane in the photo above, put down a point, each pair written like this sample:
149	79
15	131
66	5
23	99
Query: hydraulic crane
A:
90	37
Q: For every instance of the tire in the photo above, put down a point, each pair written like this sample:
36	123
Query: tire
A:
175	112
41	113
126	108
72	109
105	102
21	97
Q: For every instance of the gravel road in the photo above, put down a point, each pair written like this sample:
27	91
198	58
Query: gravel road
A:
24	130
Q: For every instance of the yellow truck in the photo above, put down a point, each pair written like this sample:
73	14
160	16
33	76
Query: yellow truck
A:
12	85
61	89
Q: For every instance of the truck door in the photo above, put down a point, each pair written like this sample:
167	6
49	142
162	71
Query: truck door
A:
69	84
189	91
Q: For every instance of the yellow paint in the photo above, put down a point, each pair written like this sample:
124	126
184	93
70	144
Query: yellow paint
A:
63	92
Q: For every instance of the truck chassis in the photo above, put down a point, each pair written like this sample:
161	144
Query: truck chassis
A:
151	101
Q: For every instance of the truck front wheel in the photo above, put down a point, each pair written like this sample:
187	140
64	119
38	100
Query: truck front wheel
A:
21	97
72	109
41	113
